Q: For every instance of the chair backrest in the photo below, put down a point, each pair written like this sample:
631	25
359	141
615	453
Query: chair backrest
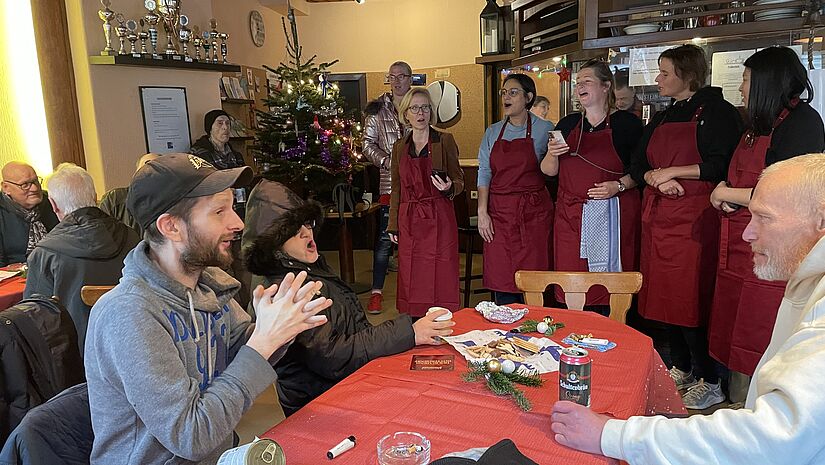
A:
90	294
621	287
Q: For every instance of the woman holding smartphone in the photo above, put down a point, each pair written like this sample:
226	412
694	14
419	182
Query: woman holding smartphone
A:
781	125
515	211
425	178
592	166
684	153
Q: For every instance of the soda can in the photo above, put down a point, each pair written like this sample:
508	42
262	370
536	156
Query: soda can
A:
260	452
574	376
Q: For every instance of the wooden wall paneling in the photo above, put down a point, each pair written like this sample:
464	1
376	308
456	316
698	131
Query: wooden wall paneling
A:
57	77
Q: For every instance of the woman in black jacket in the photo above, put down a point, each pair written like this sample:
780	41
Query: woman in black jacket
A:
320	357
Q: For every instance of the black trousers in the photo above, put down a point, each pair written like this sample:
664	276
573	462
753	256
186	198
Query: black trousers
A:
505	298
689	351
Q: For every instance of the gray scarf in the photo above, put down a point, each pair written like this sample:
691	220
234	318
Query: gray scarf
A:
36	227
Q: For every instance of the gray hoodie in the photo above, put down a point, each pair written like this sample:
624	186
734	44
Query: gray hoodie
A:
168	370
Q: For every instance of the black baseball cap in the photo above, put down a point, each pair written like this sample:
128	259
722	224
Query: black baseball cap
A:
161	183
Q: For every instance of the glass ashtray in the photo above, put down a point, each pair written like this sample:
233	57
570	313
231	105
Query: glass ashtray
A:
404	448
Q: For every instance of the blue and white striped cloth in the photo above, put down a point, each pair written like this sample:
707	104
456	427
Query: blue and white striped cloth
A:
601	230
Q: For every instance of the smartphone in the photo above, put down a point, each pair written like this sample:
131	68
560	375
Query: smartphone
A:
556	136
441	174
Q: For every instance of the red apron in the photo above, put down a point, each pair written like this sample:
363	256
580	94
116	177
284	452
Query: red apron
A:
681	235
428	241
744	306
576	177
521	211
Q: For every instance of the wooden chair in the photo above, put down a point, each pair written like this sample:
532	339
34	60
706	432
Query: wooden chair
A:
90	294
621	287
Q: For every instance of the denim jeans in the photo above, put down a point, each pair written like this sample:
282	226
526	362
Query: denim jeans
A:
383	249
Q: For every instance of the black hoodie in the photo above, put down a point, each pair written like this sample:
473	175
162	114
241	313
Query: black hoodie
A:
718	133
86	248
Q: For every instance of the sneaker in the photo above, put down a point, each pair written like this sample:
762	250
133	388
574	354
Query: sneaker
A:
393	265
703	395
683	380
374	306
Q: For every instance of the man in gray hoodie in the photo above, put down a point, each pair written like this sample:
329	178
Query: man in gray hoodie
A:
172	361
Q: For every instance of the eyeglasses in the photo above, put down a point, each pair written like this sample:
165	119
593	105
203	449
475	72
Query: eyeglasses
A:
397	77
28	184
512	92
416	109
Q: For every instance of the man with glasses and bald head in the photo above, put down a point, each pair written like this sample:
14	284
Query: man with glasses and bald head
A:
24	215
382	129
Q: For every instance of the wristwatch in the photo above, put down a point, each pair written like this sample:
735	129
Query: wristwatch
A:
622	187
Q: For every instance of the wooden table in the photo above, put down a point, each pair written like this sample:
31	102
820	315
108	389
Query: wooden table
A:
385	396
346	263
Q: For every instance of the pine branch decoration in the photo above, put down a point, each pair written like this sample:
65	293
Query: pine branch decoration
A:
503	384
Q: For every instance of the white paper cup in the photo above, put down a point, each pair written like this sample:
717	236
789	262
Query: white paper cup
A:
447	317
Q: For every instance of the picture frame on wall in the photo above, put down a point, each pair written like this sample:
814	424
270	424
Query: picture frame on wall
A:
165	119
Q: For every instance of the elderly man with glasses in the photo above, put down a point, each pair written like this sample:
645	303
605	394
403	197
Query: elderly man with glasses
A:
382	130
24	215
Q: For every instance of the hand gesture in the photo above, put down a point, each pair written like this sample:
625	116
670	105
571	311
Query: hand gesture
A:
603	190
672	187
285	311
442	186
577	427
426	329
393	238
485	226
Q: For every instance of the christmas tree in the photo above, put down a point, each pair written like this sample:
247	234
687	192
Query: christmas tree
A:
305	138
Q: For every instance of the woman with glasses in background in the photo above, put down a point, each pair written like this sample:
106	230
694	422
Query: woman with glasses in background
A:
515	210
596	226
781	125
425	178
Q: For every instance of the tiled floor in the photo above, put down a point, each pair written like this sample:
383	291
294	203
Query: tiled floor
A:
266	412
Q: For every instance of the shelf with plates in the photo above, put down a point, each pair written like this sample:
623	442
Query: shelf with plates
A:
669	21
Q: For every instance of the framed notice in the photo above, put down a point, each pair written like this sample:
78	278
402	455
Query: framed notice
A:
726	72
644	65
165	119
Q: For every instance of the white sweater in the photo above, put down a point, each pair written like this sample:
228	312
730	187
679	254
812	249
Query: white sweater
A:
783	421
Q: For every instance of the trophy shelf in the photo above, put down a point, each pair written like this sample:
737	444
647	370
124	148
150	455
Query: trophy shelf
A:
241	101
128	60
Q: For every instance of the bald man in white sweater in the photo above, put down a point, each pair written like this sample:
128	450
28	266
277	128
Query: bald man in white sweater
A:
783	420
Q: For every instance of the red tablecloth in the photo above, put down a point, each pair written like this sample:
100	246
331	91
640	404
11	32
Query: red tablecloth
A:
385	396
11	291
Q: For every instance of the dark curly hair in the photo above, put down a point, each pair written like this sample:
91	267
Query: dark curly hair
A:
260	257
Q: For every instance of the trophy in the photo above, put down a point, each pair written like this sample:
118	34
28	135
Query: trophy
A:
185	35
121	31
223	36
206	45
132	26
170	13
152	19
143	36
213	34
197	42
106	16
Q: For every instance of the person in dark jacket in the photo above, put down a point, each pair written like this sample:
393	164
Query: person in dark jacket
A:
24	215
87	247
214	145
113	202
322	356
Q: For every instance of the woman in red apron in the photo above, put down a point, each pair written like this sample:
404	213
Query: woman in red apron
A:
514	208
426	176
781	127
684	153
592	166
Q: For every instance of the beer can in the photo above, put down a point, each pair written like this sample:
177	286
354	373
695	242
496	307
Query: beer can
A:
260	452
574	375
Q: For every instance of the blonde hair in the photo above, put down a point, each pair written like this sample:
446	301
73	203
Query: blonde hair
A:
405	104
808	172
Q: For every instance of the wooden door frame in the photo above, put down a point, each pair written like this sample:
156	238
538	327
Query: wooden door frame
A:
51	34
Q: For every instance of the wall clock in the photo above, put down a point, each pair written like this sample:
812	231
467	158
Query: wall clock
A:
256	28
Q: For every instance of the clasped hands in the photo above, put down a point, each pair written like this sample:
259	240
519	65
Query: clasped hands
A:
663	179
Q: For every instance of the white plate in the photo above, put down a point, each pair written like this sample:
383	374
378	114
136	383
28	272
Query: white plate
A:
641	28
777	11
777	16
770	2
